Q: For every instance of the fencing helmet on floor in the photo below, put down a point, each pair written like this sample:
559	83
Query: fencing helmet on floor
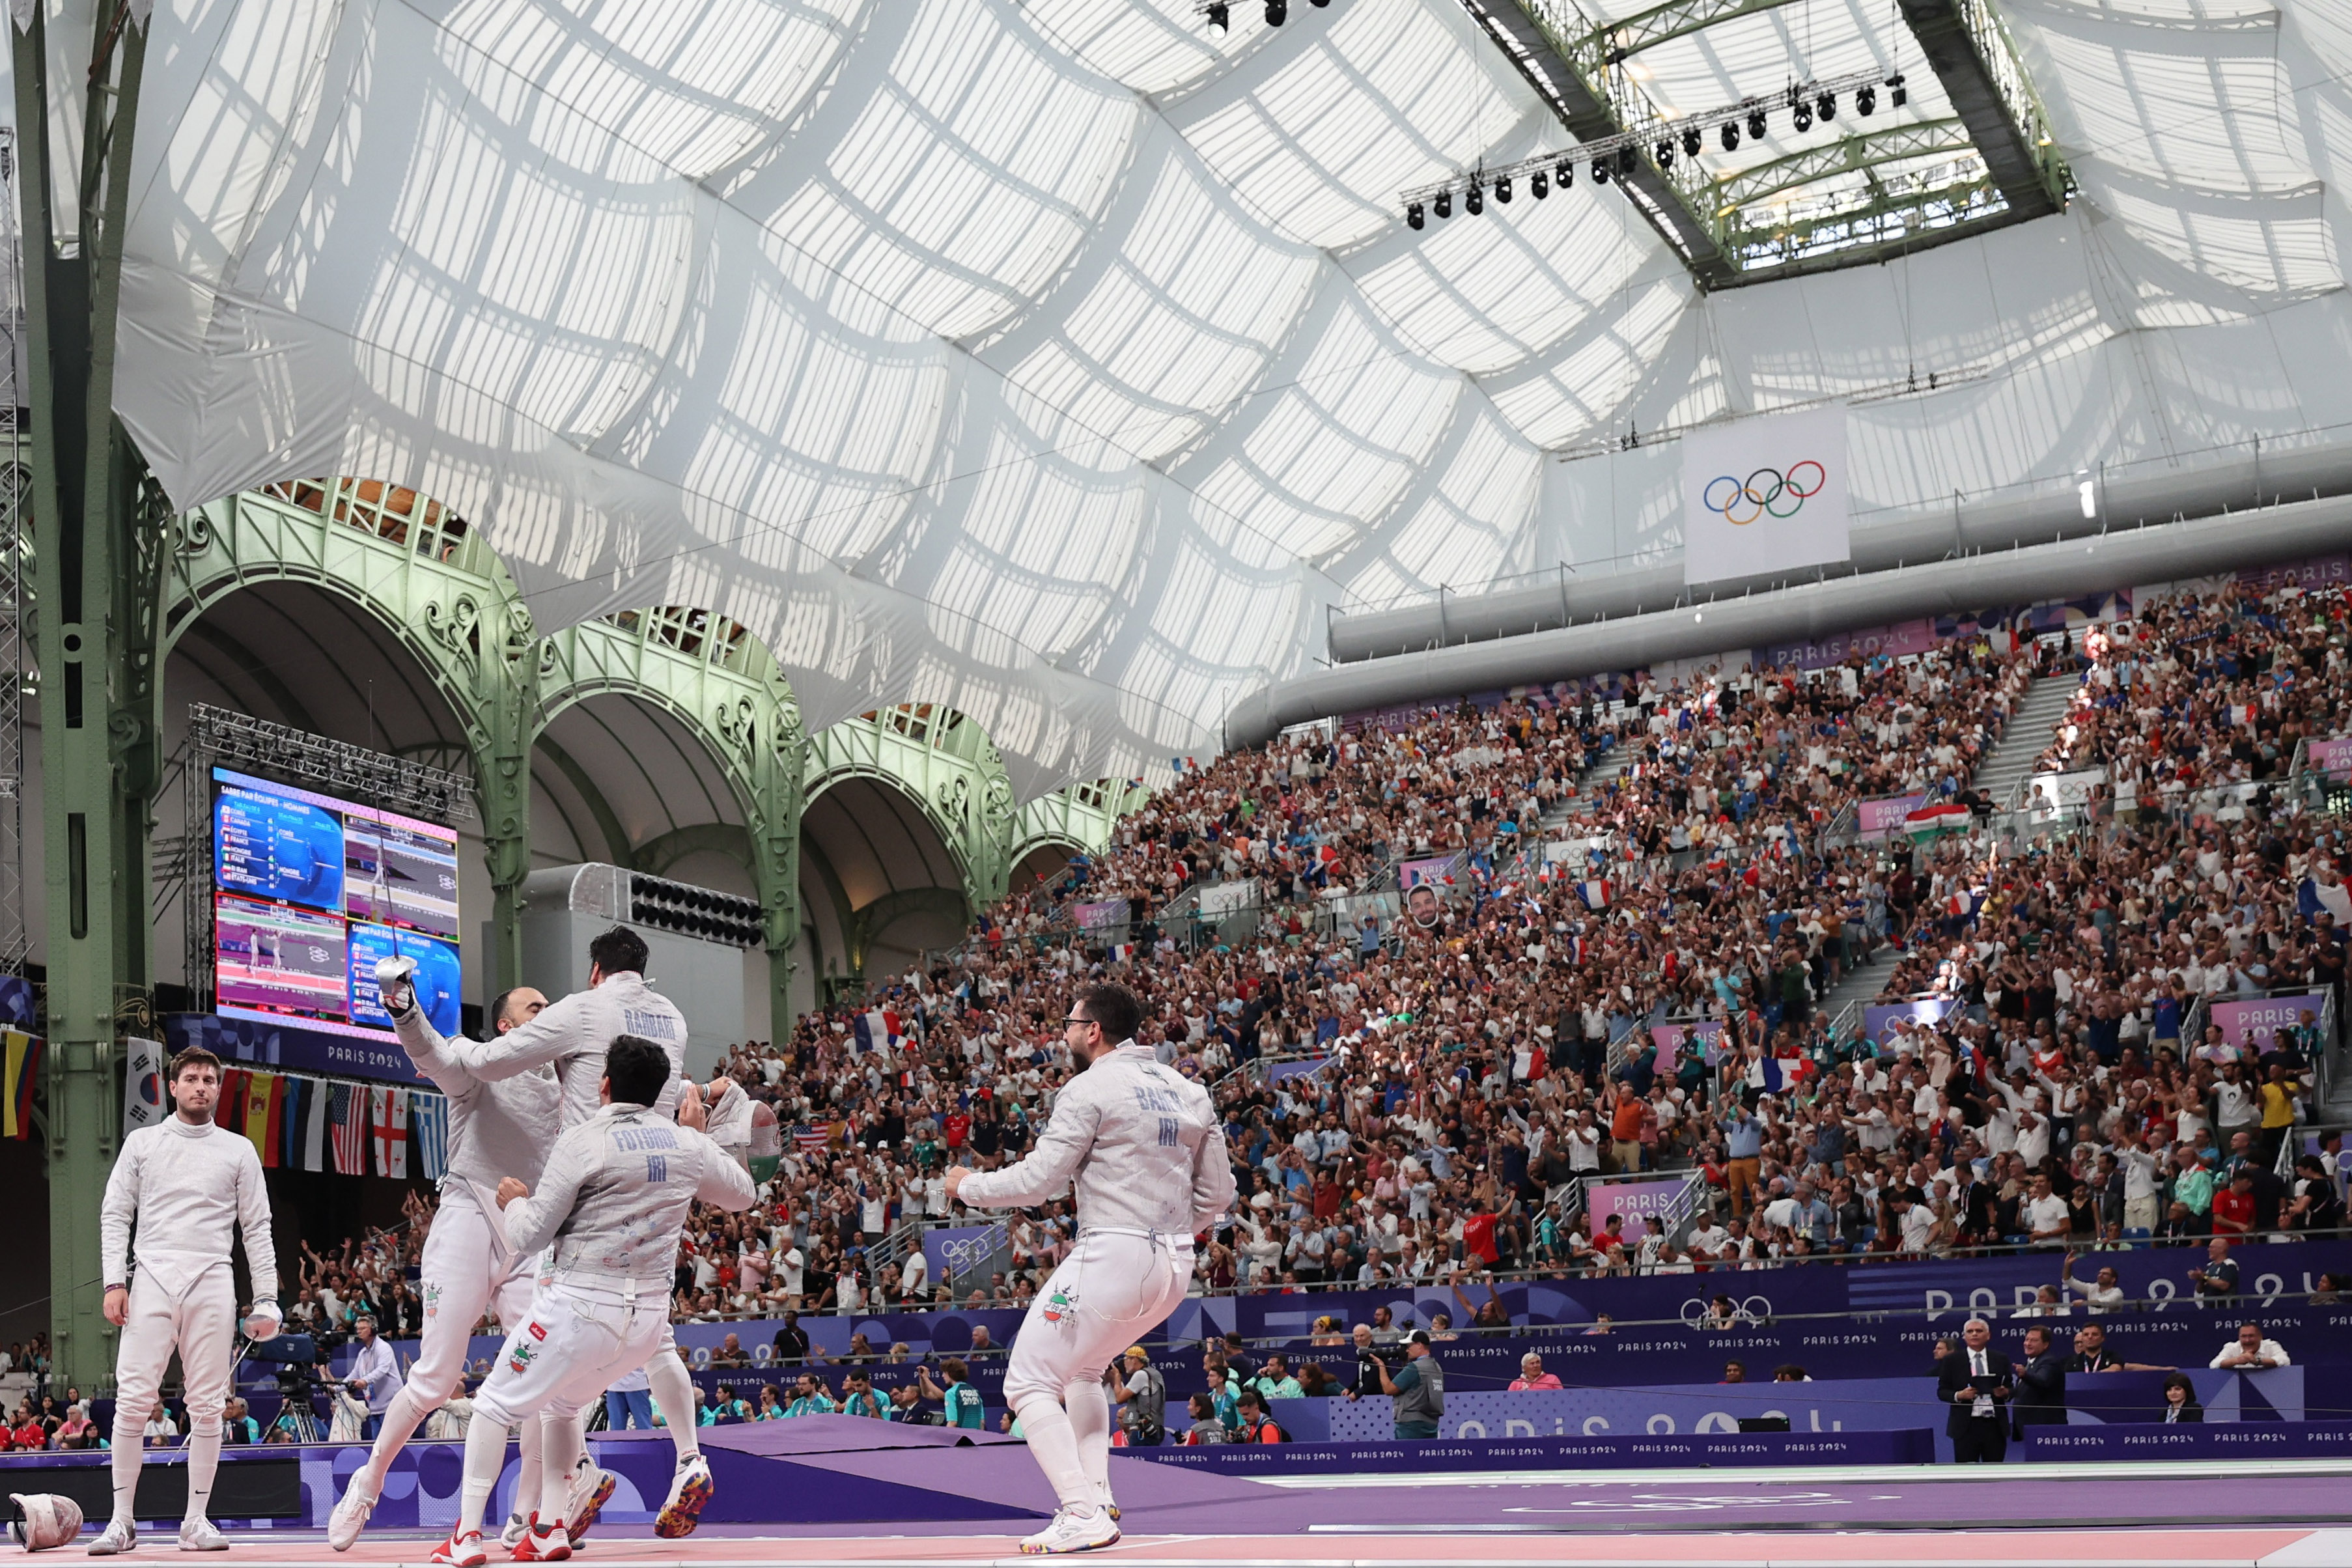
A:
38	1520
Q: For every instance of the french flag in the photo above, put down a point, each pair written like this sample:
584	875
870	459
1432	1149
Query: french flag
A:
878	1030
1595	893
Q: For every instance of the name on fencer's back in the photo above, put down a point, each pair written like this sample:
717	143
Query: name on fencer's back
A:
649	1025
628	1139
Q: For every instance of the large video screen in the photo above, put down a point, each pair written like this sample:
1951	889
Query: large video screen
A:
309	891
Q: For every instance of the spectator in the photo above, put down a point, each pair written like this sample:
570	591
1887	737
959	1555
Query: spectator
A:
1532	1376
629	1403
375	1376
2041	1397
1207	1426
1734	1372
2181	1400
1790	1372
2217	1280
1976	1383
1418	1387
2092	1354
1256	1425
2104	1294
2250	1351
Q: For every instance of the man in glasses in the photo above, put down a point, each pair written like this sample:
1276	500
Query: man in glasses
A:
1142	1143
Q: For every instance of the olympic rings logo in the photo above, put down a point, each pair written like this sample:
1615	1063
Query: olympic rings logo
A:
1768	492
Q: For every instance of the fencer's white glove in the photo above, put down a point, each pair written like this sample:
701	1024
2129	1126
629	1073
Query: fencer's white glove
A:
264	1321
394	984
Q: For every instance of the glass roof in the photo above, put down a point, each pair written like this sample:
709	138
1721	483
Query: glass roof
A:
1062	361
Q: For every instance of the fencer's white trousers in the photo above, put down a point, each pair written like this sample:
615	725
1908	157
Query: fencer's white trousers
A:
463	1274
201	1322
562	1354
1114	1287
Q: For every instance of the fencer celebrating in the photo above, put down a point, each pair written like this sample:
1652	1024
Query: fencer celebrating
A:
1143	1145
572	1037
613	1200
183	1183
496	1129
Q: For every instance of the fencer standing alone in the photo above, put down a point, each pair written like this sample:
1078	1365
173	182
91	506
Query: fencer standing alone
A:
613	1200
496	1129
1142	1143
182	1182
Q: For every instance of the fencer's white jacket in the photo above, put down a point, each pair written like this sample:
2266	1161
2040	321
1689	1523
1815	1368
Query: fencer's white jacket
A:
614	1197
1141	1143
497	1127
573	1034
727	1120
185	1186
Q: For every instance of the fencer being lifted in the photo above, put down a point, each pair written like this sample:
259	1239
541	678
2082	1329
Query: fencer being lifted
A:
571	1037
613	1200
182	1184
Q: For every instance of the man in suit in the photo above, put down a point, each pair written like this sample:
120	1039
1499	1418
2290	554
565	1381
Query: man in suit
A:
2041	1383
1976	1381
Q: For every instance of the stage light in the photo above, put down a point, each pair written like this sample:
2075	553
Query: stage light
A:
1756	125
1539	186
1826	106
1565	173
1444	204
1473	200
1601	170
1503	187
1730	137
1897	95
1665	154
1221	18
1412	216
1278	12
1626	159
1691	143
1865	100
1804	118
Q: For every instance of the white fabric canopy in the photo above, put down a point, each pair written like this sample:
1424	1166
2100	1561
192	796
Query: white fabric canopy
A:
1062	361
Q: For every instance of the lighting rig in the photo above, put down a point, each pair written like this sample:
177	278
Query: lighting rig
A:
1660	140
1219	13
699	913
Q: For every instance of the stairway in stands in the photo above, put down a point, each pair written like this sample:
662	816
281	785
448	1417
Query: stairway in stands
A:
2011	759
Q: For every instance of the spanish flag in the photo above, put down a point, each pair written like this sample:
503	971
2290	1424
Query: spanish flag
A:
22	1059
261	1092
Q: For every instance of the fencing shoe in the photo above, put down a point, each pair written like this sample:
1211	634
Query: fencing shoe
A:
1102	1493
1069	1532
591	1489
517	1527
461	1551
687	1494
350	1516
197	1534
543	1543
121	1535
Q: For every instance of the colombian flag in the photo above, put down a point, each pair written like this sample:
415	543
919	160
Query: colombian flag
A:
22	1059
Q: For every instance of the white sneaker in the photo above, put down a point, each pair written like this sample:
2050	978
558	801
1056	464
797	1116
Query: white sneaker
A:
1069	1532
1102	1492
121	1535
350	1515
689	1492
517	1527
591	1489
461	1551
198	1535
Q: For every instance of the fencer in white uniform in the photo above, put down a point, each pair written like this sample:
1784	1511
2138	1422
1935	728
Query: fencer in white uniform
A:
1141	1143
183	1183
496	1129
613	1200
572	1036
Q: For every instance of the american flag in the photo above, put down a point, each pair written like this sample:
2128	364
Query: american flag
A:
347	1129
805	1138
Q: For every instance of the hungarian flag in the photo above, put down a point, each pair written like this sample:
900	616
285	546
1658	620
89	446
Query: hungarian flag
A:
388	1130
1937	814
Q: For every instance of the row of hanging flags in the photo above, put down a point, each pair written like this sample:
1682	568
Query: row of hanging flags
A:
299	1123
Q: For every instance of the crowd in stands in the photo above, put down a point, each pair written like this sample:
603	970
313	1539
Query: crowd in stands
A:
1478	1060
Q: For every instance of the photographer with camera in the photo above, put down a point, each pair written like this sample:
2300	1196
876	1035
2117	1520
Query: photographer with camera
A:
1418	1387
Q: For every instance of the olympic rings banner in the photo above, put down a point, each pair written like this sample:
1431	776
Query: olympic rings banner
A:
1761	496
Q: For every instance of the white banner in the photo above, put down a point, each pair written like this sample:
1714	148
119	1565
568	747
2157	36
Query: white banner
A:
1228	897
143	1104
1761	496
2065	792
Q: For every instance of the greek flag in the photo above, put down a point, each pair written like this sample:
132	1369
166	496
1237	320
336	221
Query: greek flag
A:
428	1119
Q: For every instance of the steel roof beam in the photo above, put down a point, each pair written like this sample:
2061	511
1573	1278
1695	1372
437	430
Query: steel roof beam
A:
1988	89
1849	155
